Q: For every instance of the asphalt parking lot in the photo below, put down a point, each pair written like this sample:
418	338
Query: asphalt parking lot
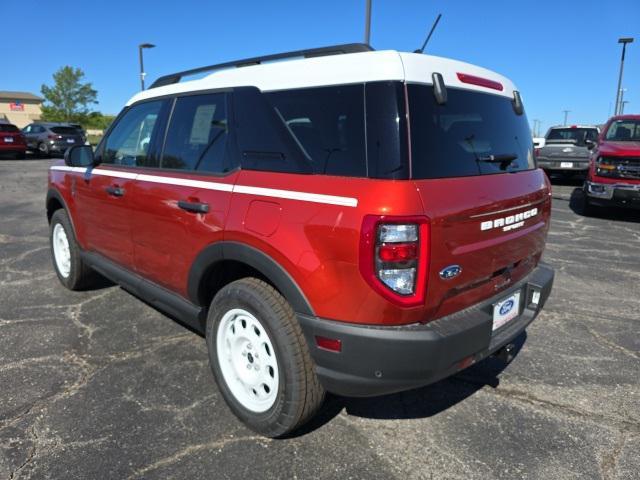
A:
99	385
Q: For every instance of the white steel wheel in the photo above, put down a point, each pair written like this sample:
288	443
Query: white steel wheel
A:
247	360
61	251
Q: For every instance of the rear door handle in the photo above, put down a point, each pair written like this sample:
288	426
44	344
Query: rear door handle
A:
115	191
194	207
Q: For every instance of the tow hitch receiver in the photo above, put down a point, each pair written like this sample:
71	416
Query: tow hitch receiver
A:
506	353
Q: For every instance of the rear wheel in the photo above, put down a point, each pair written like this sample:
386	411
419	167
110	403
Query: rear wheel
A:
43	149
260	359
72	272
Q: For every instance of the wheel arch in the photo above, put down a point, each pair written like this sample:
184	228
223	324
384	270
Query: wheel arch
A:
256	263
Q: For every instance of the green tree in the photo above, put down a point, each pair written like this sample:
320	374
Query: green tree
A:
69	98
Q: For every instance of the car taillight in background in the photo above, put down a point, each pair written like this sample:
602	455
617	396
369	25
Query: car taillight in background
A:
394	257
536	152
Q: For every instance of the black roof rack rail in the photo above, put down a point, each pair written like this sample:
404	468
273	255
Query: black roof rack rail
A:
313	52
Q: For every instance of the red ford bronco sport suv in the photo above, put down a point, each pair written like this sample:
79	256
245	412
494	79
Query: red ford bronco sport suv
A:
614	170
353	221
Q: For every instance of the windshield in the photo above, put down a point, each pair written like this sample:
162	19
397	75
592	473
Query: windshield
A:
624	131
472	134
570	133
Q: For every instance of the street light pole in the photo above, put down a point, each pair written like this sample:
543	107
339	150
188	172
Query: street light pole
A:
624	42
142	74
367	24
566	114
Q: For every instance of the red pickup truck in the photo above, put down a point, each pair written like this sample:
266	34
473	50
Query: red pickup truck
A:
614	169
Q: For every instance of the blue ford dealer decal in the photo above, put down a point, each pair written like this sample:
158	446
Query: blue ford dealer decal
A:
506	308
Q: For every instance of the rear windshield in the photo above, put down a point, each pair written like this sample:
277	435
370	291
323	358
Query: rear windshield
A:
64	130
577	134
7	127
472	134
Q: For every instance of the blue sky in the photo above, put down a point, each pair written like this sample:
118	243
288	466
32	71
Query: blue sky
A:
561	54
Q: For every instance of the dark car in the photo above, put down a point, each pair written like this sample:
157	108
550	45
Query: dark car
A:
12	141
51	138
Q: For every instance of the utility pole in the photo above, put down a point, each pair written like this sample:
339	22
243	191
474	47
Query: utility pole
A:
624	42
142	73
566	114
367	22
536	127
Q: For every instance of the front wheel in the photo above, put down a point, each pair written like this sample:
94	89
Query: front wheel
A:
72	272
260	358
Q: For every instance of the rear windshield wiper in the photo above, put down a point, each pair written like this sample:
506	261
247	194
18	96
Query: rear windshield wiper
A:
504	160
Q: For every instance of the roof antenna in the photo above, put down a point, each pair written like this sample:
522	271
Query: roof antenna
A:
435	24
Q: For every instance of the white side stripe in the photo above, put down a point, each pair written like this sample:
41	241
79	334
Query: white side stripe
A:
224	187
292	195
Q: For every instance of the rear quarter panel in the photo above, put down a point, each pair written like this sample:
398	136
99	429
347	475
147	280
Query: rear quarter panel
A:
318	243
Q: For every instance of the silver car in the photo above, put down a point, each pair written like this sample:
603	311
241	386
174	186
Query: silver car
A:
47	138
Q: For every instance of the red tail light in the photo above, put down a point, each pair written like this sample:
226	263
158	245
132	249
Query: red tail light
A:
394	257
536	151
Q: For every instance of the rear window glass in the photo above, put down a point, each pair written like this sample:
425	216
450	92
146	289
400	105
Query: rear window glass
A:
328	125
64	130
7	127
577	134
472	134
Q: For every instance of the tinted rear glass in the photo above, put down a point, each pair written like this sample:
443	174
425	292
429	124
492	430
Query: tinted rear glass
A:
328	124
64	130
6	127
577	134
459	138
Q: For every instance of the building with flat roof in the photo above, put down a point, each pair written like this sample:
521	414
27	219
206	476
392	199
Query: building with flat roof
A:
20	108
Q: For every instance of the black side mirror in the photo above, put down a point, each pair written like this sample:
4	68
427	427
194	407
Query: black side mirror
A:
590	144
79	156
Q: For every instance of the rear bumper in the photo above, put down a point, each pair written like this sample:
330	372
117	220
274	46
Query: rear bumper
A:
616	194
11	147
379	360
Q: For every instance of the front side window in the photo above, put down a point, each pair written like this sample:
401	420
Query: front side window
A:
197	135
624	131
473	133
129	141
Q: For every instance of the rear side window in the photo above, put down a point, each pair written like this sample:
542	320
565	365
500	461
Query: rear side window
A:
7	127
197	135
461	137
64	130
328	125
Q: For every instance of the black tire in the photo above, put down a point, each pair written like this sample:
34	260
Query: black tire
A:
80	276
43	149
300	394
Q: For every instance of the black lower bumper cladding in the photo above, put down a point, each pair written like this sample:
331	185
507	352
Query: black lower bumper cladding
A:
380	360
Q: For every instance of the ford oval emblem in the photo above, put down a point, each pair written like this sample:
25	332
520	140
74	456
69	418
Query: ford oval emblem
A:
506	307
451	271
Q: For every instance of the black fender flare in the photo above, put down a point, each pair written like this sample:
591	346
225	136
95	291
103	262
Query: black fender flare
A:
53	193
254	258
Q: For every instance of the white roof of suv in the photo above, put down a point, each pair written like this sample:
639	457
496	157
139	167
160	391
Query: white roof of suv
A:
369	66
